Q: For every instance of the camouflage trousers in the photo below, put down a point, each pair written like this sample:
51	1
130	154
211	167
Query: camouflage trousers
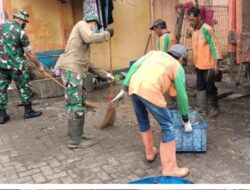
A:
22	80
75	93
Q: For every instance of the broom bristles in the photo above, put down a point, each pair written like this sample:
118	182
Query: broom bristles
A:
109	117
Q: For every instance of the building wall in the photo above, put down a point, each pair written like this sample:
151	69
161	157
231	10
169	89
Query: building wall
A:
131	30
47	29
165	10
131	26
51	23
77	6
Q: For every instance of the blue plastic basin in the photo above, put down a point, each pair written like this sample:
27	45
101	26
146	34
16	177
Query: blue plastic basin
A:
161	180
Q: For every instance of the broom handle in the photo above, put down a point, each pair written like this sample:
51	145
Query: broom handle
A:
111	70
52	78
146	48
87	103
49	75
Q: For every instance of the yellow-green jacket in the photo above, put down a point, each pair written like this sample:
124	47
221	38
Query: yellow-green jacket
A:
153	75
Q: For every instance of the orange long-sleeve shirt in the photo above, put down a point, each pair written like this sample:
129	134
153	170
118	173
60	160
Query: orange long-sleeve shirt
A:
166	41
152	76
205	49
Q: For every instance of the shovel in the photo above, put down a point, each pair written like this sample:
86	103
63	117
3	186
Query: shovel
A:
110	114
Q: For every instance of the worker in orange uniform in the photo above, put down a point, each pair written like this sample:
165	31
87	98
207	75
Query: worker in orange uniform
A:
165	38
148	79
206	56
165	41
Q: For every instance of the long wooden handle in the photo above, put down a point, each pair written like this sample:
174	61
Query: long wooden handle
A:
49	75
87	103
146	48
111	69
52	78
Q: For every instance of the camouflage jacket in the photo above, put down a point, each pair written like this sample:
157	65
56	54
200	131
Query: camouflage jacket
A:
13	43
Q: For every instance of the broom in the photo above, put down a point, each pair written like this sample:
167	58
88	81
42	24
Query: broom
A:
87	103
110	114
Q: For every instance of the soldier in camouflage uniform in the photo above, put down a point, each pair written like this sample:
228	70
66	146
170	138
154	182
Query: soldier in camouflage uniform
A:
74	65
15	54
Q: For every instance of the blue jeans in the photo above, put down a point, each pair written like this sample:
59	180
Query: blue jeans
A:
162	116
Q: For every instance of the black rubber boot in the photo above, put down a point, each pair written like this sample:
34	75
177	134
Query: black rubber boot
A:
30	113
4	117
75	131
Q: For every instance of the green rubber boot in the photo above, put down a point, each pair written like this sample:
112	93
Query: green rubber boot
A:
75	130
214	112
201	98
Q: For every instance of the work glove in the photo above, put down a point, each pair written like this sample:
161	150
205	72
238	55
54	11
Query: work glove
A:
119	97
111	31
187	124
187	127
56	71
110	77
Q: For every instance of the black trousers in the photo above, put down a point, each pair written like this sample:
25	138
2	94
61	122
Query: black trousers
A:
203	84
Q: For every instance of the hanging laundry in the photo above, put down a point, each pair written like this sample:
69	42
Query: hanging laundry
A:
107	8
99	11
90	7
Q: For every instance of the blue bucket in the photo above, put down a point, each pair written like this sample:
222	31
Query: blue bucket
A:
161	180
